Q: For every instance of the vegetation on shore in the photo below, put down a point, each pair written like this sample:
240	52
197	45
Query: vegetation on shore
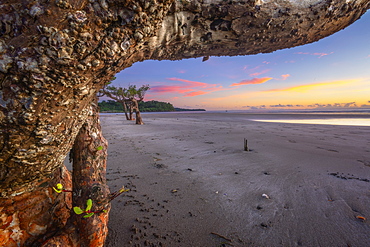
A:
148	106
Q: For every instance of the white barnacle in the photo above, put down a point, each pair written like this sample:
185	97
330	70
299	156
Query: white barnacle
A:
81	67
29	65
36	10
94	135
103	4
114	46
2	46
147	29
64	54
95	63
138	36
5	63
84	91
125	45
80	16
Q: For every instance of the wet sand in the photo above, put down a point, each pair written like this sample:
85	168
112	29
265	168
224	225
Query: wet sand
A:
191	183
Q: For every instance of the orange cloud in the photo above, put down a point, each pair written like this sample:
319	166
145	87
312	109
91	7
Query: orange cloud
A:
252	81
284	77
304	88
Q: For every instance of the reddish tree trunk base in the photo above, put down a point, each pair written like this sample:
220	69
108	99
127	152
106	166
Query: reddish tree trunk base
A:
30	218
44	217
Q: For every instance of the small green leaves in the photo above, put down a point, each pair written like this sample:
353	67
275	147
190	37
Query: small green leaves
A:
99	148
59	188
88	215
88	205
87	211
78	210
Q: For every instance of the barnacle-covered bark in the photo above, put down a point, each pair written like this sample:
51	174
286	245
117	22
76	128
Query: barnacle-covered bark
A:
56	54
229	28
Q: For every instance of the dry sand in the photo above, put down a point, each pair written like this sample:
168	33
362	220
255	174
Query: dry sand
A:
193	185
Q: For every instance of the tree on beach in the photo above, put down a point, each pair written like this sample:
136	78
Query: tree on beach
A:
129	99
56	55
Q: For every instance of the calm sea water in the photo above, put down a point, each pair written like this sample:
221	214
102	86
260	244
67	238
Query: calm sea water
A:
357	117
330	121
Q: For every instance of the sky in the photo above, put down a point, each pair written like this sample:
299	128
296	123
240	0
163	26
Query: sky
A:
331	73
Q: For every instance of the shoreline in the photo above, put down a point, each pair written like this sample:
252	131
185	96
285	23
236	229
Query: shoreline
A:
193	185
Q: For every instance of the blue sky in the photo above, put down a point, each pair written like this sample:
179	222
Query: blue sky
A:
331	73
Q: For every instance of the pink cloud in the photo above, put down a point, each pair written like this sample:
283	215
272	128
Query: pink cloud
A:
259	73
284	77
196	93
169	89
252	81
186	87
182	71
192	83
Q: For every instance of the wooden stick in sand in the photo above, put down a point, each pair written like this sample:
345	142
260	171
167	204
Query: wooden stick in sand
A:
246	145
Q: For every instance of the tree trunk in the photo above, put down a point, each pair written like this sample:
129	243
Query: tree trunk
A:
135	107
89	182
125	109
131	108
56	55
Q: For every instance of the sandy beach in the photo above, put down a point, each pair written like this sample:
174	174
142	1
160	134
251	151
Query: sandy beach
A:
192	184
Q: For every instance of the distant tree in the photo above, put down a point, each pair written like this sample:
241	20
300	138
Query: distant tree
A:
129	98
110	106
155	106
144	106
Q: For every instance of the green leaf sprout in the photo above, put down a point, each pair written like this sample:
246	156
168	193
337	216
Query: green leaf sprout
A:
78	210
59	188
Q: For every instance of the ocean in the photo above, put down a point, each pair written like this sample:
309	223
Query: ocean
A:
353	117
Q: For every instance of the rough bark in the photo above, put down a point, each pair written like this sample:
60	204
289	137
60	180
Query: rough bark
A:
89	182
55	56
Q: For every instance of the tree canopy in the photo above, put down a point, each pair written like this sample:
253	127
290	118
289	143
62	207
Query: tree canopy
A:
128	98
